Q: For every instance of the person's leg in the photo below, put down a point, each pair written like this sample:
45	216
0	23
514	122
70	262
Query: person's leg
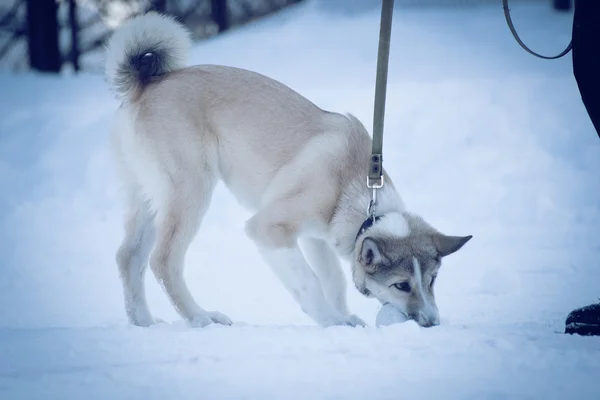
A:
586	68
562	5
586	56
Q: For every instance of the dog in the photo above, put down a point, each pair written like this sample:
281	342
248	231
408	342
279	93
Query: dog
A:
301	170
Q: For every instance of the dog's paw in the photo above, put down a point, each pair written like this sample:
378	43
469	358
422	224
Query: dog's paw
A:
353	320
200	321
346	320
146	321
219	318
207	318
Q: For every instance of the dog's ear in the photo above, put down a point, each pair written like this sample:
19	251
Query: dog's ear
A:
446	245
371	255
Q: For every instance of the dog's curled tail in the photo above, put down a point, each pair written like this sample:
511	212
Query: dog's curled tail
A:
144	48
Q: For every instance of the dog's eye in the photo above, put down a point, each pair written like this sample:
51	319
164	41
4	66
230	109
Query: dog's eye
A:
402	286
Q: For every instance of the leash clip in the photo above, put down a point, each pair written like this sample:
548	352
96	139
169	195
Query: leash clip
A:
373	202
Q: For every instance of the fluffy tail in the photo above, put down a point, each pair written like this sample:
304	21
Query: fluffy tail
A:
143	48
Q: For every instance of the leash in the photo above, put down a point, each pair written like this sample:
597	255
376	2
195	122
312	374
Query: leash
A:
518	39
375	173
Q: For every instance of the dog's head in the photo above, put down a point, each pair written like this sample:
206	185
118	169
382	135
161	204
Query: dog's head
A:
397	261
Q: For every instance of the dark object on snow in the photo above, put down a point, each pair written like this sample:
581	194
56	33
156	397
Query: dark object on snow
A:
586	56
584	321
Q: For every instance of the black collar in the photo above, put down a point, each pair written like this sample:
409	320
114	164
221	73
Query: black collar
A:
367	224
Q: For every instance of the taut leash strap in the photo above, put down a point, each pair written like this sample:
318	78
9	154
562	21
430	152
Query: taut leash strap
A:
375	173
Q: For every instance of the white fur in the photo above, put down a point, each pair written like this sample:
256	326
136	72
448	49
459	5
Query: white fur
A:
428	312
305	286
149	29
326	264
134	162
392	223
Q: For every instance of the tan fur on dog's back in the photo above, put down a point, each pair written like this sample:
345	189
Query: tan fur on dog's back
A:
252	117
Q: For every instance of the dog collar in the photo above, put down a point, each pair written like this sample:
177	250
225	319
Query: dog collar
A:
367	224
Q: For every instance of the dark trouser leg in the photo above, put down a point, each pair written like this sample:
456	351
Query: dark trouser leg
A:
586	56
586	68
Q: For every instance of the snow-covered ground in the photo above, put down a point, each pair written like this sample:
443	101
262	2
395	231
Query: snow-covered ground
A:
481	138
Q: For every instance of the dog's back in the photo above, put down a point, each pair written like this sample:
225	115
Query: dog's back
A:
241	125
252	124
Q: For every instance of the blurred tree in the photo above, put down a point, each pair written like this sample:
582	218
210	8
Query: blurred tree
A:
74	26
158	5
46	34
42	35
13	27
220	14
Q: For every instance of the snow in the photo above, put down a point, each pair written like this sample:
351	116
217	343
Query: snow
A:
481	138
389	315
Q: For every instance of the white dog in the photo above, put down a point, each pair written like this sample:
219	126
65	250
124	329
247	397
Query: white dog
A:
301	169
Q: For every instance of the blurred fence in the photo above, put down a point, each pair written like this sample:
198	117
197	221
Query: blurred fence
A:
558	4
49	35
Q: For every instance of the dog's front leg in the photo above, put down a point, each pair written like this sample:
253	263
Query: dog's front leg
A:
280	251
326	265
299	279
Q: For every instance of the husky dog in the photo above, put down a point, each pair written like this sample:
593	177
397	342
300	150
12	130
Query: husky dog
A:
300	169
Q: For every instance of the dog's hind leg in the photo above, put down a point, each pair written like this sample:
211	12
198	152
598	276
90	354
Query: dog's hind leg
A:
177	223
132	259
326	265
